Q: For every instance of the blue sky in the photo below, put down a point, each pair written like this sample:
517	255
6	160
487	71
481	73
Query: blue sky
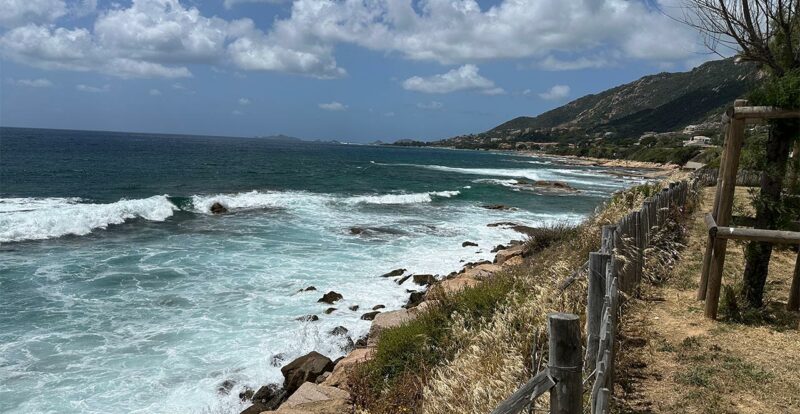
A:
349	70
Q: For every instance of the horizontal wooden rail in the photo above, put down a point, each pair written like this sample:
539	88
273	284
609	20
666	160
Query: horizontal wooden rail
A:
762	235
761	112
533	389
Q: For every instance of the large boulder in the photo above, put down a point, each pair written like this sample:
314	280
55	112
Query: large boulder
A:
317	399
304	369
503	255
482	271
345	366
451	286
330	297
388	320
414	299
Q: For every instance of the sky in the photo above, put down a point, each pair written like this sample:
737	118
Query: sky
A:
351	70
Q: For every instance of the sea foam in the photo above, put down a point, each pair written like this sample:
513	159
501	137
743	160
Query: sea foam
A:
44	218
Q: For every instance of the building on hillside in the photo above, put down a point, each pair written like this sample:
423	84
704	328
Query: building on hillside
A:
698	141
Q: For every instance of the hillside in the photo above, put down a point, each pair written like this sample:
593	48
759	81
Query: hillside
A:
661	103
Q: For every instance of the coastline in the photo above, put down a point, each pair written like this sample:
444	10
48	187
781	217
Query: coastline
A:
654	170
324	386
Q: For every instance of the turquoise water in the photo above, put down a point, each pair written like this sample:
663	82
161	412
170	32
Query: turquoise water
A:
120	292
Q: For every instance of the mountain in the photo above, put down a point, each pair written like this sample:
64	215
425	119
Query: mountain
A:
282	138
656	103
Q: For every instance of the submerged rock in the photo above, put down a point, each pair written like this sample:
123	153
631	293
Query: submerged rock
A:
353	308
329	311
277	359
308	318
306	368
468	244
330	297
498	207
403	279
308	289
268	397
226	387
376	307
393	273
218	208
415	299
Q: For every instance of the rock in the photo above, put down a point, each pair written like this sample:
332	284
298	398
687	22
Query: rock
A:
277	359
393	273
469	243
424	280
247	394
514	261
353	308
498	248
226	387
482	271
426	305
308	289
268	397
341	372
403	279
317	399
362	342
304	369
329	311
218	208
376	307
526	230
451	286
547	186
498	207
322	377
415	299
330	297
388	320
503	255
308	318
339	331
369	315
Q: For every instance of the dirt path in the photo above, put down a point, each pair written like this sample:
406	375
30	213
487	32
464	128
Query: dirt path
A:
676	361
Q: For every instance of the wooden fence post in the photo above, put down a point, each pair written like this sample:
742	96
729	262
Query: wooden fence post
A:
726	192
594	305
794	293
607	238
565	363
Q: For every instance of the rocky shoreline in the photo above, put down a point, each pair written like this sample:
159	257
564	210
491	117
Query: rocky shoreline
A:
636	168
313	383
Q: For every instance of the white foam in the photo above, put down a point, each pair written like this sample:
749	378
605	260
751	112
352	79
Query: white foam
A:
258	200
412	198
44	218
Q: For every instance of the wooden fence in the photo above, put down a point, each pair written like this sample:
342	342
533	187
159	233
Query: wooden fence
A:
707	177
617	267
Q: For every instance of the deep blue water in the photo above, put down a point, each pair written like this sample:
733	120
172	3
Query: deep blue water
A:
120	292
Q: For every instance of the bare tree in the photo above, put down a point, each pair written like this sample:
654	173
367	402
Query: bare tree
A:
766	32
762	31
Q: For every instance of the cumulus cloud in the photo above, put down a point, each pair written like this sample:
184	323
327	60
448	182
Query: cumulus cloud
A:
92	89
230	3
333	106
162	38
555	64
32	83
464	78
20	12
432	105
155	92
244	101
557	92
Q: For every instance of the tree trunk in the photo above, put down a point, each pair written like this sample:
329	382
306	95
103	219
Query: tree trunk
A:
768	208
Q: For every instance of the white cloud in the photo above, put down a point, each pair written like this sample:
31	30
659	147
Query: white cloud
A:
432	105
237	112
32	83
20	12
155	92
557	92
244	101
333	106
161	38
464	78
553	63
92	89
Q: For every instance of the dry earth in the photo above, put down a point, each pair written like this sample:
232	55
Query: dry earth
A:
676	361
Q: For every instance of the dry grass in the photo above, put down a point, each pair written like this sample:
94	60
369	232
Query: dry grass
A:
675	360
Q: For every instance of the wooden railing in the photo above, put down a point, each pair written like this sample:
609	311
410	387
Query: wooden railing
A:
745	178
617	267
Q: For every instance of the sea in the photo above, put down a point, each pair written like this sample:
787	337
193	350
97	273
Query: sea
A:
121	292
